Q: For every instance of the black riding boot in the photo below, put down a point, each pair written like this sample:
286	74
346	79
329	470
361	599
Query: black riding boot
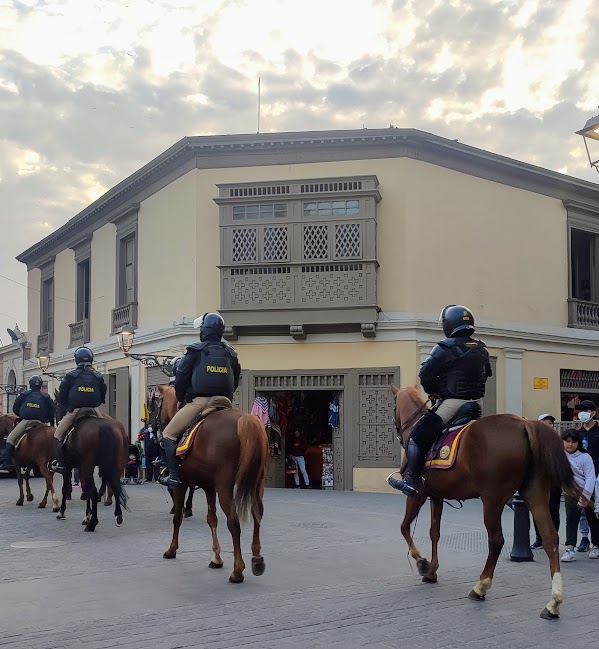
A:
174	472
59	464
7	455
409	485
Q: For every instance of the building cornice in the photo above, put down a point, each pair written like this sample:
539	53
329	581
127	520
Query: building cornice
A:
228	151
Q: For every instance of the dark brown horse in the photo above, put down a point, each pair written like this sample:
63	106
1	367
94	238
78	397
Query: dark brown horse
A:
95	442
166	411
498	456
227	458
34	449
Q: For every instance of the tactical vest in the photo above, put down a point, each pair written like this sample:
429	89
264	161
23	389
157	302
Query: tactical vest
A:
86	391
465	373
213	373
34	406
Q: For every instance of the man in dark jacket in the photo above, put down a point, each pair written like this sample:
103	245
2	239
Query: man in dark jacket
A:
455	373
80	388
209	368
31	405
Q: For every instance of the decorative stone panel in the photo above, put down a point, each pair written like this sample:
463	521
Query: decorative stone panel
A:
376	427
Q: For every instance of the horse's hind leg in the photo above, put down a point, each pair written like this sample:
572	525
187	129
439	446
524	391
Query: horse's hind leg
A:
225	497
27	487
430	577
536	497
21	499
212	521
258	564
187	510
49	486
92	504
178	497
492	510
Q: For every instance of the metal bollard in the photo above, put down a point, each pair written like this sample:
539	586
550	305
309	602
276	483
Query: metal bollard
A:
521	549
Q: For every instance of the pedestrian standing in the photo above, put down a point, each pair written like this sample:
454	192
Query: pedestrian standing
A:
584	476
589	431
297	448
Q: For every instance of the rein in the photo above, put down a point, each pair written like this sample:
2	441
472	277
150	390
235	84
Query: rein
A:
411	419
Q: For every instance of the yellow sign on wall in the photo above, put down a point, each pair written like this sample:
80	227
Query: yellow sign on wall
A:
541	383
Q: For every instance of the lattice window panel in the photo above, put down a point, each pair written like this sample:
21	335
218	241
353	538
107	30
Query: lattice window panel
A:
275	244
375	421
348	241
301	382
316	242
245	246
579	380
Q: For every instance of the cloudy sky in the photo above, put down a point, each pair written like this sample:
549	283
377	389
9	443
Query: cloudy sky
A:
91	90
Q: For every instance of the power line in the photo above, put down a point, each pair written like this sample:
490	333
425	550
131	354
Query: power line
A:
33	288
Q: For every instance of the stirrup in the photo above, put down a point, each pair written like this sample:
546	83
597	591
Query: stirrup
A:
401	485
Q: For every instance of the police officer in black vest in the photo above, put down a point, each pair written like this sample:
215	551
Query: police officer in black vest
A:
455	373
80	388
209	368
31	405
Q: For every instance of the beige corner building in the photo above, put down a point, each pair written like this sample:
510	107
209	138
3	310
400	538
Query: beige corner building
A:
330	255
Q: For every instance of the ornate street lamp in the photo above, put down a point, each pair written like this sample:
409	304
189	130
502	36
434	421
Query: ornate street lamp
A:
125	339
43	363
164	363
591	132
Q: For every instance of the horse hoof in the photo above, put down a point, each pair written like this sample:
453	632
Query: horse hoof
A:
29	498
119	521
258	566
19	503
55	510
85	521
169	555
187	513
423	566
475	597
235	579
42	506
429	580
88	528
215	565
61	517
547	615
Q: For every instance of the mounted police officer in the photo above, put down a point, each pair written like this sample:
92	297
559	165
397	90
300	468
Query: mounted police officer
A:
80	388
455	373
31	405
209	368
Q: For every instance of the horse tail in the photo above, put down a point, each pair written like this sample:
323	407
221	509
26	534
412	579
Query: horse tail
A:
108	461
252	463
549	458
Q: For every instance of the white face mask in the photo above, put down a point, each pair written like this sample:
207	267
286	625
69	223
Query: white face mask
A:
584	417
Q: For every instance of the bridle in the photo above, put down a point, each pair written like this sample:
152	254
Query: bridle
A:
412	419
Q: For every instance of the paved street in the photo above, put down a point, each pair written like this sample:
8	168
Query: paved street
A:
337	576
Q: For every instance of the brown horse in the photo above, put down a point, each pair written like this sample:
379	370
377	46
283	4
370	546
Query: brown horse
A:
498	456
166	411
35	448
95	442
227	458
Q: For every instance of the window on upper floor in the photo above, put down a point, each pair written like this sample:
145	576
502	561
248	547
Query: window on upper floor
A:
331	208
47	306
253	212
83	290
584	275
127	270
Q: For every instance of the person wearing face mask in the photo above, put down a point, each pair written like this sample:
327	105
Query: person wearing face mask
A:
589	432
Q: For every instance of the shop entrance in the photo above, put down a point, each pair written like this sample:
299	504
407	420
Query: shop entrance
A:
302	424
576	386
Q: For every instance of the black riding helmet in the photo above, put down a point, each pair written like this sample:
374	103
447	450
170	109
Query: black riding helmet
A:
211	326
457	321
36	382
84	357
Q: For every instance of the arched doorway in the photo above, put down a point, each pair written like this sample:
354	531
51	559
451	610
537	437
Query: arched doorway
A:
10	398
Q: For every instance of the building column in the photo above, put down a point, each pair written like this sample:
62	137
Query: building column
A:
137	385
513	381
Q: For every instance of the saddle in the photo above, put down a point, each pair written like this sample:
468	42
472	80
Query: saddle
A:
444	451
214	405
82	413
